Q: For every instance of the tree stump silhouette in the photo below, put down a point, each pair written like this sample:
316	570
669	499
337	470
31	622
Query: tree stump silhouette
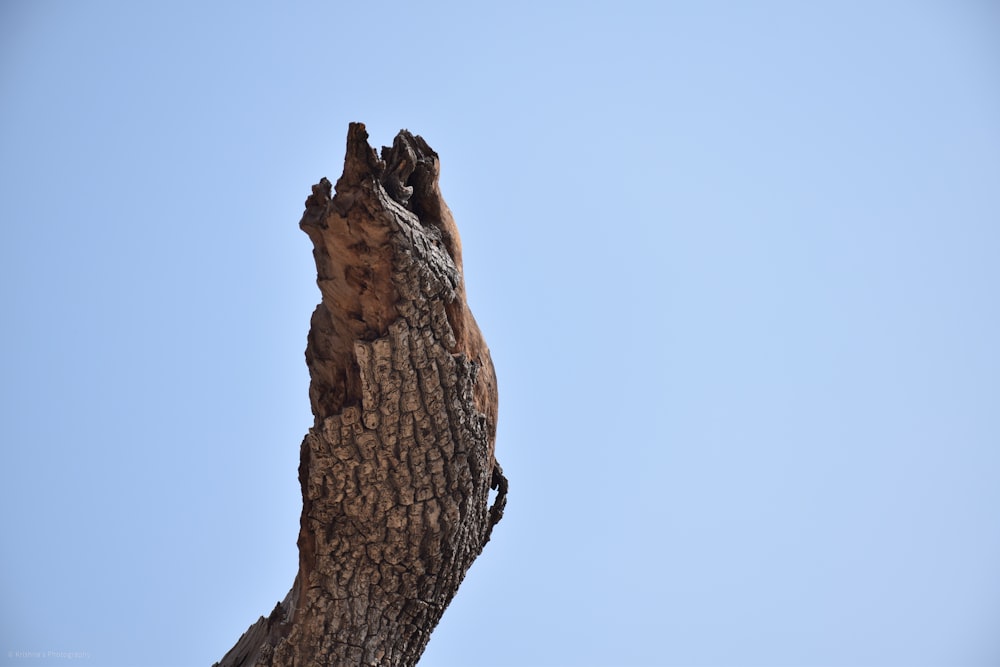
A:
397	469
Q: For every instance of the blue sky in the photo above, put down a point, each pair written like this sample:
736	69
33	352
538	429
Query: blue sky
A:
736	263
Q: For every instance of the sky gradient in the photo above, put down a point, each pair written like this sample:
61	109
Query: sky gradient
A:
737	264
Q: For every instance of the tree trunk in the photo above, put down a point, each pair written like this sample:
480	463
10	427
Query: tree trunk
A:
397	468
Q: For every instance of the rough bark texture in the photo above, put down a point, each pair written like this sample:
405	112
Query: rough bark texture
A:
397	468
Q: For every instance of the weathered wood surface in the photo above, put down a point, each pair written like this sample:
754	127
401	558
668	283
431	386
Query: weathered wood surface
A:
397	468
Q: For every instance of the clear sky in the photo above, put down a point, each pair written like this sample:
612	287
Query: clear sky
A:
738	264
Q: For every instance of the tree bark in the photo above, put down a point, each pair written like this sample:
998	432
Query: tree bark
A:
397	468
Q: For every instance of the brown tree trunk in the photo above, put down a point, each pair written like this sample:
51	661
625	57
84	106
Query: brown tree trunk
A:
397	468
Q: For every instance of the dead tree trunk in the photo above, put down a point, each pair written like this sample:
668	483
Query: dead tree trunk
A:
397	468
